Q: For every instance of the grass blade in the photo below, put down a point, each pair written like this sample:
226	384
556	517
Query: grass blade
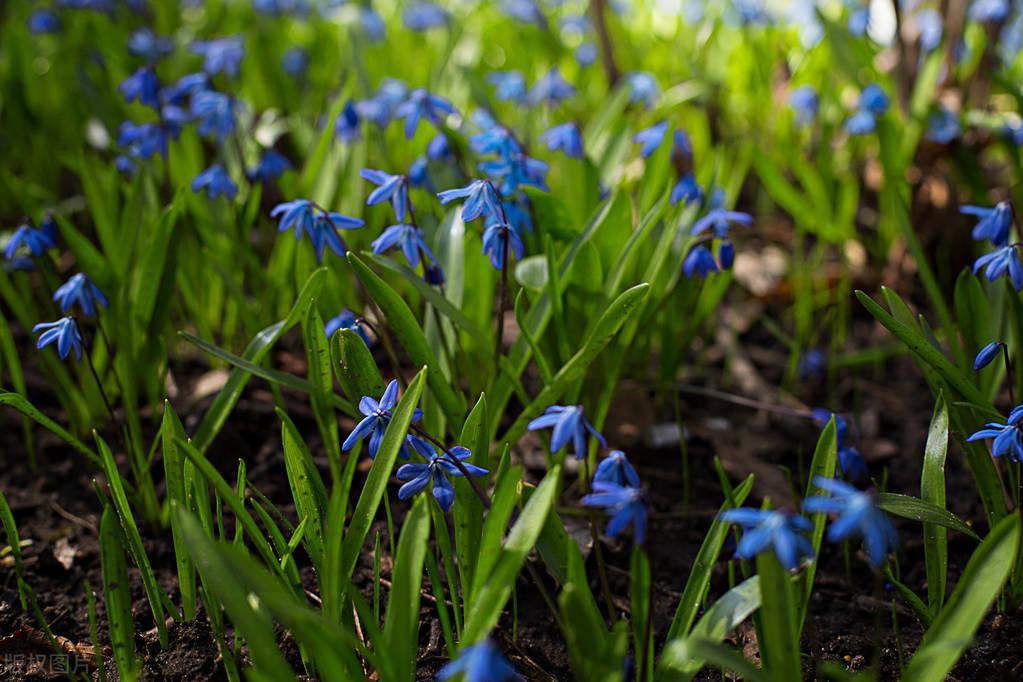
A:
401	621
117	595
932	490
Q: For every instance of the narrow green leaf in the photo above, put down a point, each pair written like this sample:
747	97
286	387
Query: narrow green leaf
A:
401	621
117	595
321	378
825	459
356	370
909	507
174	473
21	404
777	631
502	504
932	490
468	513
307	489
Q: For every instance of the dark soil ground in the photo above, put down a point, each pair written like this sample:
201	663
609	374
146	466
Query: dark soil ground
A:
850	620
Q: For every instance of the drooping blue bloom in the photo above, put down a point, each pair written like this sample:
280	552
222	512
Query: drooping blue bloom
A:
215	112
813	363
859	19
295	61
987	354
495	139
616	468
322	226
931	26
408	238
805	102
586	54
422	16
389	187
216	182
726	255
643	88
720	220
143	140
517	213
35	241
347	125
565	137
148	45
700	261
372	23
650	138
942	126
437	469
514	171
687	190
524	11
223	55
989	10
144	86
1000	261
873	99
1008	437
852	465
439	148
185	86
419	173
570	426
81	290
125	164
346	320
994	224
551	88
858	515
511	85
480	662
625	505
43	20
769	529
376	416
271	166
480	199
823	416
421	104
278	8
499	238
861	123
64	332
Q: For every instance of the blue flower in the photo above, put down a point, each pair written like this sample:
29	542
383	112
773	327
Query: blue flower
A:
389	187
642	88
805	103
858	21
511	85
185	86
651	138
994	223
64	332
873	99
346	320
989	10
439	148
625	504
1008	437
726	255
371	23
551	88
524	11
499	238
480	662
125	164
998	262
421	104
813	363
43	20
495	139
144	86
408	238
852	465
987	354
616	468
422	16
931	26
35	241
564	137
376	416
295	61
514	171
857	515
143	140
942	126
861	123
699	261
439	466
223	55
148	45
271	166
216	182
321	226
419	173
778	531
570	426
720	220
347	125
586	54
687	190
481	199
215	112
81	290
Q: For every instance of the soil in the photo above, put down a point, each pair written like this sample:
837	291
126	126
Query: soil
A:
851	616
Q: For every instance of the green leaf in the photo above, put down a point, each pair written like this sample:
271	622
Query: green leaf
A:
28	409
825	459
932	490
356	370
778	630
117	595
640	616
950	634
174	473
401	621
596	654
468	513
307	488
909	507
502	504
321	378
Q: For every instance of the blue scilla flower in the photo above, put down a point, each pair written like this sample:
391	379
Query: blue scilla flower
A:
859	19
391	188
408	238
439	148
144	86
125	164
421	104
805	102
43	20
148	45
852	465
35	241
813	363
223	55
873	99
989	10
376	416
687	190
1000	261
295	61
586	54
700	261
215	182
823	416
271	166
565	137
322	226
510	85
720	220
279	8
346	128
570	426
184	87
480	199
616	468
625	505
514	171
726	255
994	223
861	123
768	529
643	88
346	320
942	126
64	332
931	26
551	88
495	139
650	138
987	354
436	471
82	291
419	173
500	238
858	515
215	113
480	662
143	140
517	213
422	16
1008	437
